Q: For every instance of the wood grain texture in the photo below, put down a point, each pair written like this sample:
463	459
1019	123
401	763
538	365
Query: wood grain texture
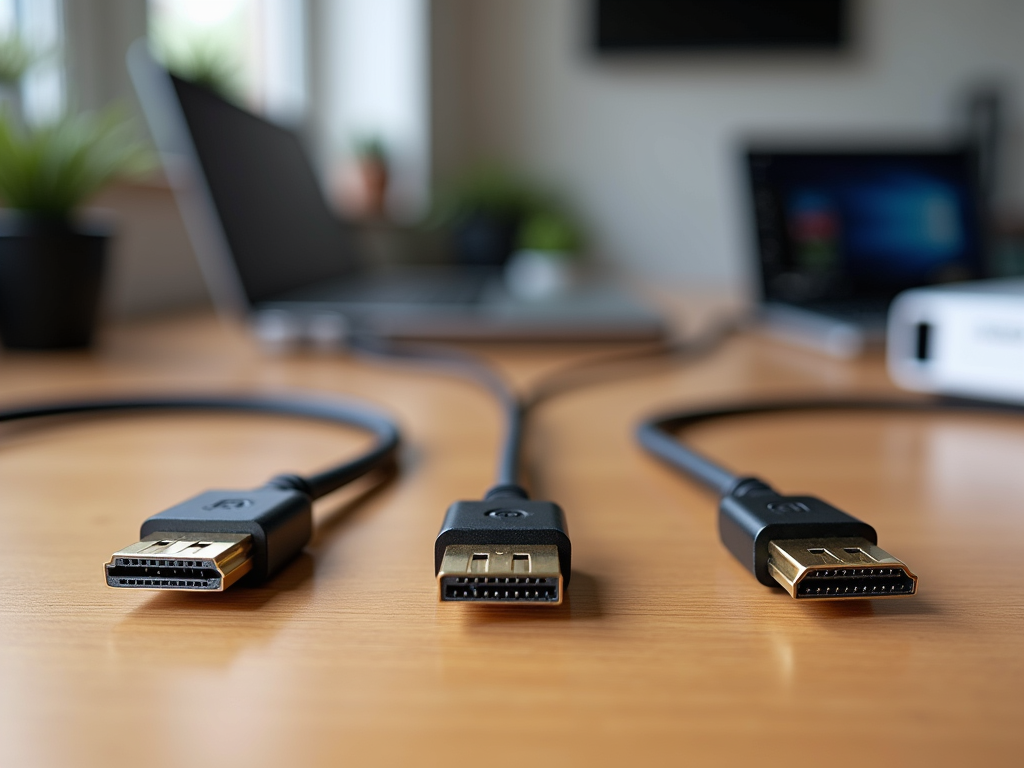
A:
666	653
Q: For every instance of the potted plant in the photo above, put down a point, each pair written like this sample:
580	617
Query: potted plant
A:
484	210
543	266
372	161
51	260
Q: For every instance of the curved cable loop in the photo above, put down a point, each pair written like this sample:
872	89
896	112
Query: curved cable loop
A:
659	434
456	362
380	455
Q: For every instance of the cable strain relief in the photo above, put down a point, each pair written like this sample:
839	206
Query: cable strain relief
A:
290	483
744	486
510	491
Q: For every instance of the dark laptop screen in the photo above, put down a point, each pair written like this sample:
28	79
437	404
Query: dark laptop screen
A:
835	226
280	231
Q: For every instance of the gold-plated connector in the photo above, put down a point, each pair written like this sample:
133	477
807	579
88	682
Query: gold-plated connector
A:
210	562
516	574
840	568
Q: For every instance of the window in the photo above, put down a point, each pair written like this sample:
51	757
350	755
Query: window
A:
369	65
39	25
255	48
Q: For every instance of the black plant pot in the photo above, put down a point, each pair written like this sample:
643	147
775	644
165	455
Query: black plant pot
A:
51	271
485	238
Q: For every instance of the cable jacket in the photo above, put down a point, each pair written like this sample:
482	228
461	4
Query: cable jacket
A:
659	434
380	454
517	409
476	369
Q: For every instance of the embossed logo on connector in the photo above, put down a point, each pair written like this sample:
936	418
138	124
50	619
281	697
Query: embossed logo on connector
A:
507	513
230	504
788	507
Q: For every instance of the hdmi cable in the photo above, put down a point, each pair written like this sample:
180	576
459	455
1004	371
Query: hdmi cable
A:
216	539
803	544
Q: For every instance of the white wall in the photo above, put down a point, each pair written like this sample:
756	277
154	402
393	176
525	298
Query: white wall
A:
647	149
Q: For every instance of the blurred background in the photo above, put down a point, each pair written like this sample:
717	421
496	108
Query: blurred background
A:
641	139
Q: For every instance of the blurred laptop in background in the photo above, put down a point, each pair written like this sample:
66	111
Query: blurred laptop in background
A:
840	232
271	248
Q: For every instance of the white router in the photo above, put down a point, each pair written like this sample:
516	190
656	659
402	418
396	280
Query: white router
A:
964	339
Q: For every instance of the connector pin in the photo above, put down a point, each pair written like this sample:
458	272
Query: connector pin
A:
500	574
210	562
839	568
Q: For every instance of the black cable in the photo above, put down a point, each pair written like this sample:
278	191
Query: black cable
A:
519	543
516	409
659	435
380	454
809	547
219	537
505	548
592	371
457	362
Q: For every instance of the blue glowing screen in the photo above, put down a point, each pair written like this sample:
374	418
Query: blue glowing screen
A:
858	224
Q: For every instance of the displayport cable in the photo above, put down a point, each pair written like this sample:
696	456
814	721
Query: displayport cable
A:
808	547
505	548
214	540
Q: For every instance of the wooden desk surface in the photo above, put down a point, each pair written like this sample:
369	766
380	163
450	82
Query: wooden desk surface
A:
667	651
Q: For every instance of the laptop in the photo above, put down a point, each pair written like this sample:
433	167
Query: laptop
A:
270	247
840	231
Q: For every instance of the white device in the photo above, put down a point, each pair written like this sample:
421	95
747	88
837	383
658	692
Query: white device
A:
965	339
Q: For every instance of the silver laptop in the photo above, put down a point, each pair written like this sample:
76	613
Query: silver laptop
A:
270	247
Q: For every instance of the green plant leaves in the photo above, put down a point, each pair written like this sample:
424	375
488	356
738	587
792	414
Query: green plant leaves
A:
550	231
51	170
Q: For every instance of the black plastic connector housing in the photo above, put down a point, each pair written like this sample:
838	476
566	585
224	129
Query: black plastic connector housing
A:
752	515
505	520
280	522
